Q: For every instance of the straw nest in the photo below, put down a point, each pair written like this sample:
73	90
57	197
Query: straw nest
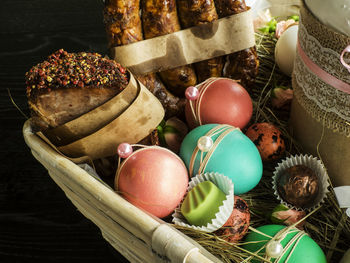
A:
328	225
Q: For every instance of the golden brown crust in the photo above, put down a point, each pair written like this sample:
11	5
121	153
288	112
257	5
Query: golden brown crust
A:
174	106
159	17
67	85
178	79
123	23
242	65
151	139
123	26
196	12
230	7
209	68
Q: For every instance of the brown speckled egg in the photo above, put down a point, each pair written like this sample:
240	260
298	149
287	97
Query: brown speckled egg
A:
268	139
238	223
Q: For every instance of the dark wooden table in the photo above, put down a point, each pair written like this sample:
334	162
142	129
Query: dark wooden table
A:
37	222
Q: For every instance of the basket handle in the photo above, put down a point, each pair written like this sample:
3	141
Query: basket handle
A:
170	244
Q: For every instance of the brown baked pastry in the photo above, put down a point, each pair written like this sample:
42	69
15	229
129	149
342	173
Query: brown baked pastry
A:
67	85
193	13
173	106
151	139
122	21
242	65
123	26
230	7
160	18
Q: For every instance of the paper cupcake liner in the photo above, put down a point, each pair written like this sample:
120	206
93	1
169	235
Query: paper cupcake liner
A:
225	210
313	163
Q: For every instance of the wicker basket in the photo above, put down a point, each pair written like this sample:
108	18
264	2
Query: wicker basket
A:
135	234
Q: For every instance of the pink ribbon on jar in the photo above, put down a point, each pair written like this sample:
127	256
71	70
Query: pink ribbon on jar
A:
346	50
323	75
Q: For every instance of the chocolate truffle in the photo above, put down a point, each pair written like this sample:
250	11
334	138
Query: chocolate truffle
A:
298	185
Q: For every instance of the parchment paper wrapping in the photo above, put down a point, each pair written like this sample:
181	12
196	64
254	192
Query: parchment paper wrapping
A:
319	111
136	114
134	124
224	36
95	119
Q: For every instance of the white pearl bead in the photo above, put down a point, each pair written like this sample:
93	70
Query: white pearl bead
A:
205	143
274	249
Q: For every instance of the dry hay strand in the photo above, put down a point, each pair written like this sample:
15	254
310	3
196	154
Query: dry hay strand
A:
328	226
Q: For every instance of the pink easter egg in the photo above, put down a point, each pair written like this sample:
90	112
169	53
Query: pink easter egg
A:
221	101
154	179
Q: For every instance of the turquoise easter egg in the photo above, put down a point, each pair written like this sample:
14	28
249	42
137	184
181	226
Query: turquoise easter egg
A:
296	249
234	155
